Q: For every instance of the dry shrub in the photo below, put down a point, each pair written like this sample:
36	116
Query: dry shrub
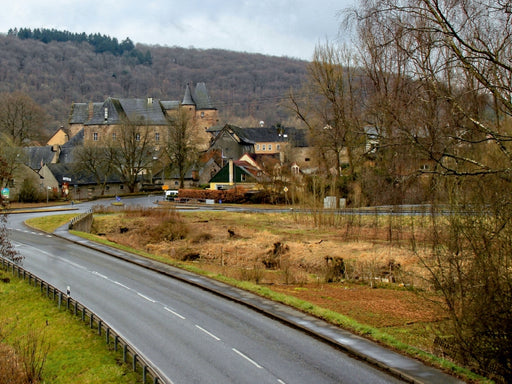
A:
11	371
201	238
169	230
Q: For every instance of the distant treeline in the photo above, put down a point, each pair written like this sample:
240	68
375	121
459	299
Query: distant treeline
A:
100	43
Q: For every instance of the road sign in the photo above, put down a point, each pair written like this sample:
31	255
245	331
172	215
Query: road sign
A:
5	193
165	187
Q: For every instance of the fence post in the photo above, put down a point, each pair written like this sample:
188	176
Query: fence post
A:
125	350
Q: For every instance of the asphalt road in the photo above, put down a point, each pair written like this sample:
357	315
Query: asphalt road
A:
190	334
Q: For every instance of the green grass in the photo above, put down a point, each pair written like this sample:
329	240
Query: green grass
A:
50	223
76	354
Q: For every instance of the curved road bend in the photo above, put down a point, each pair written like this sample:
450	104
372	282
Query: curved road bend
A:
191	335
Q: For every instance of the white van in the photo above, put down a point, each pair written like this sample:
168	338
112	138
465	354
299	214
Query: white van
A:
171	194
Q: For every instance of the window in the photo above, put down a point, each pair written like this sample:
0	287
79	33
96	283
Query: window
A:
114	136
278	147
157	136
270	147
242	177
257	147
263	147
95	136
137	137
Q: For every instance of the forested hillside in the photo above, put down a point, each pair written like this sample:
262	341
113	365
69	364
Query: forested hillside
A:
57	73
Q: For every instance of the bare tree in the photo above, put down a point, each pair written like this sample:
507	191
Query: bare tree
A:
331	110
132	152
442	80
7	250
95	161
13	157
21	119
182	143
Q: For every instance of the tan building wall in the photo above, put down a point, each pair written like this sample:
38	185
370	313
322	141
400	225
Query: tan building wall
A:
268	148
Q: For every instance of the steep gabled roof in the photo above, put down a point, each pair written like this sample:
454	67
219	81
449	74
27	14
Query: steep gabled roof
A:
187	98
201	97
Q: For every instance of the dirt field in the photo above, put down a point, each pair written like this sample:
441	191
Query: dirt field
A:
292	256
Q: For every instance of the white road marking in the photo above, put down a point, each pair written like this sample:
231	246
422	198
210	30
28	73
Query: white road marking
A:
145	297
280	381
100	275
175	313
208	333
122	285
247	358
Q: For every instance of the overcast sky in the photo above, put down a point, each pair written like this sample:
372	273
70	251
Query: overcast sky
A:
280	27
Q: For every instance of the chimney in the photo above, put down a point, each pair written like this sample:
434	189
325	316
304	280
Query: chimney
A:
90	110
230	171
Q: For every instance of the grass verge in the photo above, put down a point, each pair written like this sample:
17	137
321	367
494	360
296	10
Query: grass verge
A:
75	353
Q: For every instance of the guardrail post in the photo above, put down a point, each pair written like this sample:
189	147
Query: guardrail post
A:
116	340
107	332
60	299
125	352
92	321
144	373
76	307
99	327
83	313
155	380
134	362
68	301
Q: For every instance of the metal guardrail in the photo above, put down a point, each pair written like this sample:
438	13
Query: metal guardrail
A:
130	353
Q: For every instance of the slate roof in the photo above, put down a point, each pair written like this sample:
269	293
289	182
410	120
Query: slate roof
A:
187	98
201	97
298	137
152	111
38	156
79	113
168	105
80	178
